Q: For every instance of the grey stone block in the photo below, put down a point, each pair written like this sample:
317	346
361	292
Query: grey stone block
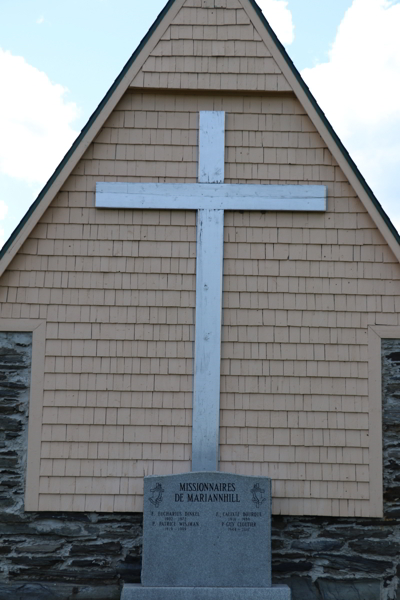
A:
362	589
207	529
58	591
138	592
303	588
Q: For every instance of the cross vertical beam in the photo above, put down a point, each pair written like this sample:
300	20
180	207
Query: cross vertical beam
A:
209	268
207	355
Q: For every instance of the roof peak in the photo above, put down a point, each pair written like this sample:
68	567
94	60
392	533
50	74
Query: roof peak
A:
287	78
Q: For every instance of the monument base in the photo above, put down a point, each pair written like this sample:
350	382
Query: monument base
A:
139	592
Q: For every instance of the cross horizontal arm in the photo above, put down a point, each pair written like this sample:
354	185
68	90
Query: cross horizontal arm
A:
194	196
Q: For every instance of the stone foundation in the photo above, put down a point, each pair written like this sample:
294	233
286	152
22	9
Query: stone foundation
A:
89	556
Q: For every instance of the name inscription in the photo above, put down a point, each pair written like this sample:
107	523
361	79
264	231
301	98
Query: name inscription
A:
240	521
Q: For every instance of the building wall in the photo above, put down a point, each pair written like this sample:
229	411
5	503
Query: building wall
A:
116	290
89	555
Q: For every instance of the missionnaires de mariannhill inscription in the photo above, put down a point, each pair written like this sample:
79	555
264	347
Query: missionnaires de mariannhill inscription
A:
201	528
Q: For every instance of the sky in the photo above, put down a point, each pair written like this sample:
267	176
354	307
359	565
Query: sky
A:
58	59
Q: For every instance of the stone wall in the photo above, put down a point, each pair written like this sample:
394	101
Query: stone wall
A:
51	556
88	556
350	559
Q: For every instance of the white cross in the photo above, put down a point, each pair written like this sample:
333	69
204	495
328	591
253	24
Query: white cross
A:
210	197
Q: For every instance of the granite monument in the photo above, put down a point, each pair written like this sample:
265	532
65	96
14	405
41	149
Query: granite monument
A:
206	536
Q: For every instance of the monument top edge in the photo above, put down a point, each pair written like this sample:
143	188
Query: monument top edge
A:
200	474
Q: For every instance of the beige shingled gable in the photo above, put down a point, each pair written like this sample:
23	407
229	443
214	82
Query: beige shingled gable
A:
211	46
128	76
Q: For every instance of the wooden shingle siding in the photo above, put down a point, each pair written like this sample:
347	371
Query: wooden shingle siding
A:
117	292
211	48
